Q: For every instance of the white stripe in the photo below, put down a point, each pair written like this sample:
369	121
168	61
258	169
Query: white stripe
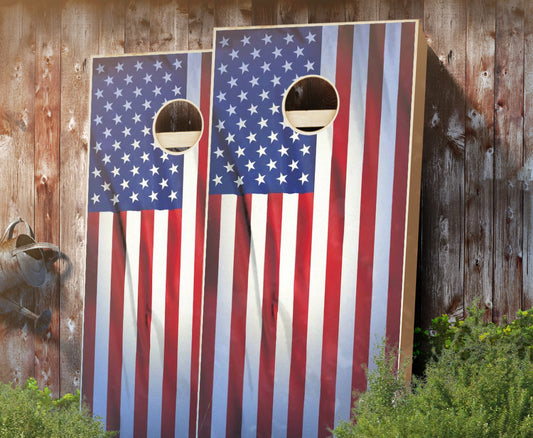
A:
352	207
188	240
194	76
223	315
387	146
319	249
157	329
103	303
129	329
254	317
289	224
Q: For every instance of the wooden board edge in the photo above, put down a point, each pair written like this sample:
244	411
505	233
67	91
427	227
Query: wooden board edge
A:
413	203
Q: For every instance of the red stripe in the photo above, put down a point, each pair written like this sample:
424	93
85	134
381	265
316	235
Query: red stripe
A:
170	364
299	321
144	318
330	334
399	196
269	314
116	311
209	317
89	327
205	100
238	315
368	206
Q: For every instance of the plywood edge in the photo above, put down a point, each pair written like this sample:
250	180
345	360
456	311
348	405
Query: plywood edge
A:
180	139
413	203
310	118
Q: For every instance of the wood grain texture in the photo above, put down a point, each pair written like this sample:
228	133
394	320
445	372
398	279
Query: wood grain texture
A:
137	26
111	27
332	11
47	172
401	9
442	236
201	22
232	13
292	11
508	156
79	40
479	153
17	171
363	10
169	23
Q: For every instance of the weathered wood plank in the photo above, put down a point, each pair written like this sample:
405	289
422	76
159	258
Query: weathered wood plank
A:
508	156
169	23
79	37
292	11
16	171
264	12
363	10
137	27
111	27
47	124
332	11
401	9
232	13
527	174
479	152
201	22
442	213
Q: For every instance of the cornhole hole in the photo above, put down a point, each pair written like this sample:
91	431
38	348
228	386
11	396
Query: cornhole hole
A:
315	156
145	240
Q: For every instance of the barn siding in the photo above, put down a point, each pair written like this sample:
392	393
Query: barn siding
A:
476	221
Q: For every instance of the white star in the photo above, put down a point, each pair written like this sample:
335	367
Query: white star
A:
147	78
234	54
116	145
126	131
100	68
98	120
293	165
136	144
147	104
273	136
262	123
125	158
265	67
264	95
299	52
119	67
260	179
243	68
240	151
127	105
254	81
108	106
125	184
117	119
157	91
136	118
114	199
243	95
145	157
138	66
245	40
267	38
128	79
154	170
239	181
229	167
176	90
272	164
146	131
106	186
224	42
158	65
223	68
251	137
287	66
107	132
134	197
164	156
255	53
115	171
173	195
134	171
250	165
174	168
153	196
241	123
219	152
283	150
230	138
289	38
98	146
138	92
106	159
231	110
282	178
99	94
295	136
144	183
232	82
305	150
117	93
303	178
275	80
261	151
310	37
309	65
221	96
252	109
108	80
96	172
276	53
274	108
217	180
220	125
167	77
163	183
176	63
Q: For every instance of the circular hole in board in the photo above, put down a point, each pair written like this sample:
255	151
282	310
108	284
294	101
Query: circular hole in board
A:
310	104
177	126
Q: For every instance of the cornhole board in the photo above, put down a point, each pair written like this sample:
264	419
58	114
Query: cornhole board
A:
145	240
312	225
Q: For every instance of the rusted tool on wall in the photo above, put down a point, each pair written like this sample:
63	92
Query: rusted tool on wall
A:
23	263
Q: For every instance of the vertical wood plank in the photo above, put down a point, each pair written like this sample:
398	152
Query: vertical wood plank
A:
47	124
169	23
440	289
137	26
111	27
363	10
401	9
201	22
232	13
79	40
508	156
264	12
292	11
479	152
16	171
332	11
527	173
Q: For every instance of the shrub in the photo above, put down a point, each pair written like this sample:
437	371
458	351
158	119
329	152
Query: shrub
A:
29	412
479	384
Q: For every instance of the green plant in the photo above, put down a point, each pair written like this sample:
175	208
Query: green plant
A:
478	384
30	412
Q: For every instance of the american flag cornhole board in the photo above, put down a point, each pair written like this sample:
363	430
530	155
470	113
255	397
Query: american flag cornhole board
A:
311	239
145	243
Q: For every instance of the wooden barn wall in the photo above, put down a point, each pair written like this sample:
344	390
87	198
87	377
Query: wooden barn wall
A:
476	228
